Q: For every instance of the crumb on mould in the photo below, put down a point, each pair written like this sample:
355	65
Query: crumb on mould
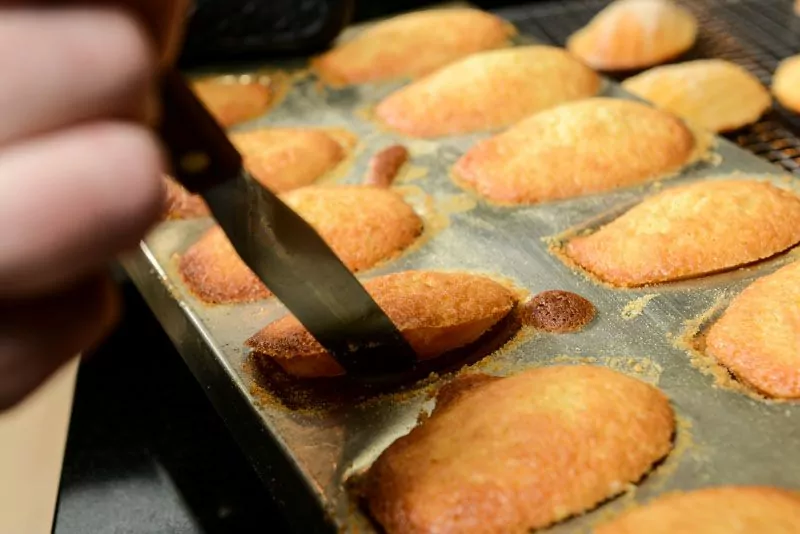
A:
634	308
385	165
557	311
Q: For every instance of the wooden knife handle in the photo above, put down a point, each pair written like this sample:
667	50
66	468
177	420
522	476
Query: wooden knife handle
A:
201	154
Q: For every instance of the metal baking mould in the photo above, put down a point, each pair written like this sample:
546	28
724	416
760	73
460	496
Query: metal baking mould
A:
307	455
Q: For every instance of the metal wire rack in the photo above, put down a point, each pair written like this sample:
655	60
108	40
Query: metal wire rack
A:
756	34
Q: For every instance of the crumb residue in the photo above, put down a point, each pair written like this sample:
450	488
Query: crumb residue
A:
557	311
421	146
458	203
366	112
634	308
411	173
642	368
683	443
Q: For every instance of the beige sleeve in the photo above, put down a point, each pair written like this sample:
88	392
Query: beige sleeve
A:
33	436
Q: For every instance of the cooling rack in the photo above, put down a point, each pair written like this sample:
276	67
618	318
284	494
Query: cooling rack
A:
756	34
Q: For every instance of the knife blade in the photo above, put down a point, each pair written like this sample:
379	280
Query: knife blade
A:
278	245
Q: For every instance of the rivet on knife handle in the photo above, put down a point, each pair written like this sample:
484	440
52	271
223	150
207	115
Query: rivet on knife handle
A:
189	131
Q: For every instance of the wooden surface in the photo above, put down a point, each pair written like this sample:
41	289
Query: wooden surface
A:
32	440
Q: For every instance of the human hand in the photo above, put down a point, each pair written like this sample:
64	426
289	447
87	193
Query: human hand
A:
80	169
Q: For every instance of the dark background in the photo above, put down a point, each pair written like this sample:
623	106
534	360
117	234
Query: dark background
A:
146	452
366	9
232	30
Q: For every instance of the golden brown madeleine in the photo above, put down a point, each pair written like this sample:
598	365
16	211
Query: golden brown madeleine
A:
722	510
691	230
786	83
215	274
715	94
232	101
520	453
436	312
634	34
487	91
282	159
797	7
576	149
758	337
181	204
363	225
412	45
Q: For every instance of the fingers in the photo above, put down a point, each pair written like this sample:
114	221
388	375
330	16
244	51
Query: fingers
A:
80	170
38	335
73	65
164	19
72	200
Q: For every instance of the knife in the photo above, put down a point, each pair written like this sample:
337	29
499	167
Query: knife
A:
278	245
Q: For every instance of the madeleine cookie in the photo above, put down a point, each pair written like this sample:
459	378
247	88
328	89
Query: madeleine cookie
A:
215	274
758	336
786	83
722	510
487	91
181	204
520	453
634	34
715	94
232	101
412	45
282	159
576	149
690	231
436	312
363	225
